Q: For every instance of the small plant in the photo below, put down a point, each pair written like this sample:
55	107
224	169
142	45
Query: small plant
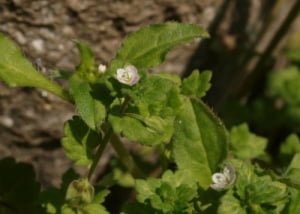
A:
214	171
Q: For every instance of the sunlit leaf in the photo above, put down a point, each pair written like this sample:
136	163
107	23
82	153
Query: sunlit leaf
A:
199	141
230	204
289	148
86	67
260	194
148	46
150	116
168	194
16	70
294	204
90	109
197	84
244	144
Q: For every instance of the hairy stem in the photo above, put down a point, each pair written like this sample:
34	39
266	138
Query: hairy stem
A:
105	141
99	152
126	158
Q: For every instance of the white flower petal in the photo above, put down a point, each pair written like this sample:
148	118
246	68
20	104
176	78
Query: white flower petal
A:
217	186
229	173
128	75
224	180
219	178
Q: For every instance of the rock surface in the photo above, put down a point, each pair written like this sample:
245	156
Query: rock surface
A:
31	121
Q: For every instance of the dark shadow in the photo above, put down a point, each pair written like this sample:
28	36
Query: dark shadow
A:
240	72
229	49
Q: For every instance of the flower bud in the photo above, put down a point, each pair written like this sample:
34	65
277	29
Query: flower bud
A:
102	68
80	191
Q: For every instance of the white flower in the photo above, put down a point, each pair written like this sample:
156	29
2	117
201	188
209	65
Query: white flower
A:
224	180
128	75
102	68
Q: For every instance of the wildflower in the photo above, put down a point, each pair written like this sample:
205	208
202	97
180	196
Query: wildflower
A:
128	75
224	180
102	68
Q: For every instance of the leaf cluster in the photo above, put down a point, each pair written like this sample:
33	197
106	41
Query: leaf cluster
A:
170	194
159	111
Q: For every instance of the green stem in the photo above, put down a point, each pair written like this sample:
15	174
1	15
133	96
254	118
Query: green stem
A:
105	141
99	152
126	158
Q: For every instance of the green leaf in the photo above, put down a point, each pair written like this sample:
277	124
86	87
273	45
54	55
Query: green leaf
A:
295	164
157	95
292	178
259	194
84	209
139	131
100	196
93	209
148	46
197	84
119	175
245	176
292	174
244	144
91	110
199	141
79	141
267	195
19	192
172	77
293	171
150	115
123	177
285	84
15	70
178	178
294	204
87	62
146	189
167	194
86	66
289	147
266	191
66	209
230	204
